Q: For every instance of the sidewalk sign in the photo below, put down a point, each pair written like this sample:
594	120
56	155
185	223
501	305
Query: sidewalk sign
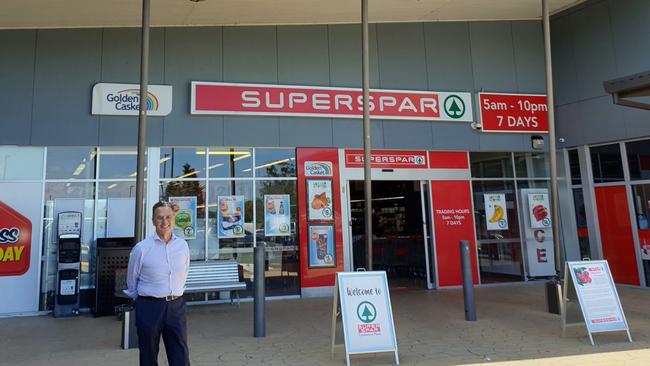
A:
366	313
592	287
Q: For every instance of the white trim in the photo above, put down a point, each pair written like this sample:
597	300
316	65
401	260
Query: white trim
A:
41	283
425	242
589	198
635	235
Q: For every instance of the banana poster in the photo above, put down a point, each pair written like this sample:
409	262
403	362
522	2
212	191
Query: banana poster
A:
496	216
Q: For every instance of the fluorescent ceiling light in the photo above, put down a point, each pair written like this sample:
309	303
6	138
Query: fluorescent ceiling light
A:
274	163
112	186
242	157
117	152
167	158
201	152
188	174
215	166
79	169
382	199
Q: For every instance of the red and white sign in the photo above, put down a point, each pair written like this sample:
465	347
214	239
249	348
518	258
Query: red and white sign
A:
388	159
15	241
310	101
513	113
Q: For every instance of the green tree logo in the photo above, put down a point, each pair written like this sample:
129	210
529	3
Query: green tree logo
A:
366	312
454	106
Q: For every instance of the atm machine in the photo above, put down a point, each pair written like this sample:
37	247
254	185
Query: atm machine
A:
69	264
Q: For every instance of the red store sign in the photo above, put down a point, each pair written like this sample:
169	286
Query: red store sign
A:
388	159
15	241
306	101
513	113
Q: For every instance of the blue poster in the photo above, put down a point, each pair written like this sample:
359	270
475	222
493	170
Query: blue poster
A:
321	246
277	218
230	217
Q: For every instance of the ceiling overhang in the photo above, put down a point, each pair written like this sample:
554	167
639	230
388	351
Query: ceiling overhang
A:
630	91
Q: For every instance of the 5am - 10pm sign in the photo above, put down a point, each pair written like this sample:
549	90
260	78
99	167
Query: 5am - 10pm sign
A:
527	113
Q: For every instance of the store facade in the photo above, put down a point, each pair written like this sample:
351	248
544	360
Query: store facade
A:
285	176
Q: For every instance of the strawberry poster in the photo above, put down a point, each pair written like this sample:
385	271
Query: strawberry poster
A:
319	198
496	217
539	210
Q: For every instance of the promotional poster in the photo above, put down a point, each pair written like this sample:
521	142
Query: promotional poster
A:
185	223
496	214
539	210
321	246
319	196
230	217
277	217
540	254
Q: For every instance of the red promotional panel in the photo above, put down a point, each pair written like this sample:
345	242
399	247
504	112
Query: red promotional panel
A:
453	221
513	113
616	234
313	216
387	159
15	242
448	160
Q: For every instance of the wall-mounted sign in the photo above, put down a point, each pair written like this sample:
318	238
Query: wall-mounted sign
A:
277	217
322	251
601	307
366	312
513	112
496	214
318	169
230	217
124	99
185	221
320	200
15	241
317	101
540	253
387	159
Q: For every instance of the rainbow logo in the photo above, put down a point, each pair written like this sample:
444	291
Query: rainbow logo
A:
152	100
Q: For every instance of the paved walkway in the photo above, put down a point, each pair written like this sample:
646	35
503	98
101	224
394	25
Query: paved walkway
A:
513	329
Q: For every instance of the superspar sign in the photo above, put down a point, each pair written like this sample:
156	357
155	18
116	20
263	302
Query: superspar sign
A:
306	101
15	241
513	112
388	159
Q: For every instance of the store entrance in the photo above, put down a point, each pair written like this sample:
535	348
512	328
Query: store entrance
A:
397	230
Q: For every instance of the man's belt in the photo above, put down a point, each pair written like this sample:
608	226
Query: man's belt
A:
166	298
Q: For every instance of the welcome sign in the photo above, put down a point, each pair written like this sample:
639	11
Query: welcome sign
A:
124	99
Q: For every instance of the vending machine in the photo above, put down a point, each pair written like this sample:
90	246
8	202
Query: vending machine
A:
69	264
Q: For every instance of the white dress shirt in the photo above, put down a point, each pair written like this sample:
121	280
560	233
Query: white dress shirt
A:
157	268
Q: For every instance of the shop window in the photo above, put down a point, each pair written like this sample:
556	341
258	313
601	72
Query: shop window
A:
60	197
638	157
642	210
21	163
283	270
532	165
581	223
275	162
606	163
116	163
574	167
491	165
230	163
500	251
70	163
181	163
115	210
195	235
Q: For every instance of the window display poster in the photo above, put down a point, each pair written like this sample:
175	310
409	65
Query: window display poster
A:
185	222
601	307
319	196
496	217
540	253
539	210
277	218
321	246
230	217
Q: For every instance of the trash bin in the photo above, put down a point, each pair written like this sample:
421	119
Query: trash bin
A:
129	332
553	296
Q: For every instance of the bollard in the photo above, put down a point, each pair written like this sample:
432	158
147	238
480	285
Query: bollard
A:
468	284
259	291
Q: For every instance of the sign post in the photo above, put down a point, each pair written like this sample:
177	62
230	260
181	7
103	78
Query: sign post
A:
592	287
366	313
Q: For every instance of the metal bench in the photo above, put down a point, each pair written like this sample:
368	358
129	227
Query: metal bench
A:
214	275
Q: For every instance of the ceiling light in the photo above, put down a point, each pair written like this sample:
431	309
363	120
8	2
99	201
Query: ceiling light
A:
275	162
167	158
112	186
79	169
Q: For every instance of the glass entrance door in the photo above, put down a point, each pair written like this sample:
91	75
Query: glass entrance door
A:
397	230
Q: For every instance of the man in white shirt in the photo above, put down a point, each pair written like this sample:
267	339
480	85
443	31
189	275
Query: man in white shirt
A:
158	267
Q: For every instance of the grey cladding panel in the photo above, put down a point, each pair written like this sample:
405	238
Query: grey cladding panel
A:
67	66
407	135
565	81
449	60
503	142
493	56
345	55
637	122
529	56
249	54
454	136
305	132
303	57
349	133
251	131
602	120
594	49
16	88
631	29
401	56
191	54
568	120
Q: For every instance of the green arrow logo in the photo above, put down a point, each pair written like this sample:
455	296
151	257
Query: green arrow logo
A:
366	312
454	106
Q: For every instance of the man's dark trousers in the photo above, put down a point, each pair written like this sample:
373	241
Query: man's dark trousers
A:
154	317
